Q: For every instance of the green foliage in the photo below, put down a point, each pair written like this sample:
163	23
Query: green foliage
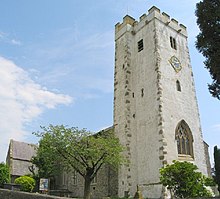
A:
46	167
184	181
217	166
208	42
27	183
4	174
74	149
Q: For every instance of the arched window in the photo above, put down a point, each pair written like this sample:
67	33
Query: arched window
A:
184	139
178	87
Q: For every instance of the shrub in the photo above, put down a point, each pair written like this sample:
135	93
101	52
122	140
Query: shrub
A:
184	181
4	174
27	183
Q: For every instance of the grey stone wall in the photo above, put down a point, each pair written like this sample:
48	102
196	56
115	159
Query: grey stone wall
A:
206	147
105	185
8	194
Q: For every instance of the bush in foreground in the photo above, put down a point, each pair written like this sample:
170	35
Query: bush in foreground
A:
184	181
27	183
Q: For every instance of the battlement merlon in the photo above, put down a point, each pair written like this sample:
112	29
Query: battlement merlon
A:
130	24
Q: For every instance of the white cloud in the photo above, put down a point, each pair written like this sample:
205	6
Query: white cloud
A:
9	38
2	35
15	42
21	101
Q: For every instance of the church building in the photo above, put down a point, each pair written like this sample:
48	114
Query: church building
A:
156	116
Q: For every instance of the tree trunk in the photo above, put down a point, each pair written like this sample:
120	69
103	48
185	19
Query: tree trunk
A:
87	184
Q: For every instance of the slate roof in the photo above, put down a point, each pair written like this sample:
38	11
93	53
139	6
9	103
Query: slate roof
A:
19	156
22	150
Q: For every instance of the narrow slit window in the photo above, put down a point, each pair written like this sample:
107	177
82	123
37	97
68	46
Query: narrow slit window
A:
178	87
140	45
142	92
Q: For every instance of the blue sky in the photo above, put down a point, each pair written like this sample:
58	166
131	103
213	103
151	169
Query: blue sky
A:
57	60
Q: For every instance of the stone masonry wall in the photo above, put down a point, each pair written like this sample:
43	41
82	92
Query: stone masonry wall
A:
104	185
8	194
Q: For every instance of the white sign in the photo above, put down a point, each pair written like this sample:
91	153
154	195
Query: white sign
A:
44	184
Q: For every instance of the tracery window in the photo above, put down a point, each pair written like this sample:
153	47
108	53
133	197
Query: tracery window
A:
184	139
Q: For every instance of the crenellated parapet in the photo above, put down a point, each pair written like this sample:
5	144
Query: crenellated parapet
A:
130	24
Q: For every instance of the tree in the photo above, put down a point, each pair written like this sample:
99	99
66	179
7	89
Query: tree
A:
217	166
27	183
4	174
184	181
79	150
208	40
45	167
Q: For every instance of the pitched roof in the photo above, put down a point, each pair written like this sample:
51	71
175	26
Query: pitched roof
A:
22	150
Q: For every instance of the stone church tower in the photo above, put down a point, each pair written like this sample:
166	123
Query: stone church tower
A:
155	107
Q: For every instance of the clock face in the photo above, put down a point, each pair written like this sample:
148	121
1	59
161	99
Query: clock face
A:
175	62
